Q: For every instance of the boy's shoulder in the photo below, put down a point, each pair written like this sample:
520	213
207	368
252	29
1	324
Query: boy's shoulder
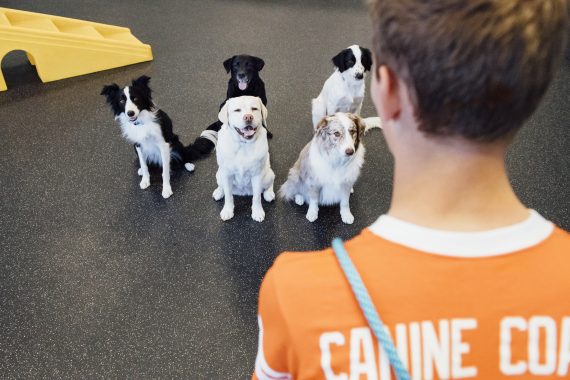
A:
562	237
317	265
302	268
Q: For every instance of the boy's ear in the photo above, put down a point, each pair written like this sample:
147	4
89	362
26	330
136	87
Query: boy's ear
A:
366	58
339	61
110	91
228	64
387	96
259	63
223	114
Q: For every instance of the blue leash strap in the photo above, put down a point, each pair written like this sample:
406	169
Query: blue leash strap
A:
368	309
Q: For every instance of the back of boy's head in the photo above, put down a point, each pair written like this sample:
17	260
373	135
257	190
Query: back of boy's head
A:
473	68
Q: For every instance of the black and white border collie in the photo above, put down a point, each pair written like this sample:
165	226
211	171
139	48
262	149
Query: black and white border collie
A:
150	130
244	80
343	91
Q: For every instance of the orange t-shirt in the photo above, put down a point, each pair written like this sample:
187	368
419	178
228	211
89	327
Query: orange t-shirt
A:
482	305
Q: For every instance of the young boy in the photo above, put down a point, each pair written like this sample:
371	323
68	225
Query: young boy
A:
468	281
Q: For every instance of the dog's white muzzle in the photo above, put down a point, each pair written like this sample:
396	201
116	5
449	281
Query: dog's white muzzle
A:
247	132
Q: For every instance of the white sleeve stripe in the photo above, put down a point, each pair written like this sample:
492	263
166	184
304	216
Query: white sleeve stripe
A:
262	368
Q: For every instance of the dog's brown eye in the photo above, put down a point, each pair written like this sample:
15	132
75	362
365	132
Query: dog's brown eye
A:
255	109
237	110
337	134
135	99
123	98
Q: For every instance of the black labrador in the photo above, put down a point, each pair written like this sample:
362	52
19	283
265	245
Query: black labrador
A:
244	80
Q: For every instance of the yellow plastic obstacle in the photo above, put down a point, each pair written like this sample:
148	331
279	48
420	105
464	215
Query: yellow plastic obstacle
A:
62	47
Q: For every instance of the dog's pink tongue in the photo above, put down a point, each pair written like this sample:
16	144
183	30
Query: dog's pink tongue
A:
242	85
248	132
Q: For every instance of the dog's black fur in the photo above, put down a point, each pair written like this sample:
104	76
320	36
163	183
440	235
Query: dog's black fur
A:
247	67
140	94
346	59
244	67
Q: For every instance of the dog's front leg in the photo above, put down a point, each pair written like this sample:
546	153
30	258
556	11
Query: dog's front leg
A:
143	170
228	210
358	109
313	212
345	213
165	157
257	212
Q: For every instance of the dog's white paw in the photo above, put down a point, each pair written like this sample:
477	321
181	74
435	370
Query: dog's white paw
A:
218	194
145	182
166	192
227	213
299	199
312	215
140	172
269	195
257	214
346	216
190	167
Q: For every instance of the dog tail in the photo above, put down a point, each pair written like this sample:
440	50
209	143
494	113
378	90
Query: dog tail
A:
287	191
290	188
372	122
318	109
204	144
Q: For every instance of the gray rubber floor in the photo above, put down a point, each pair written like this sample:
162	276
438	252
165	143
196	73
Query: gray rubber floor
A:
99	279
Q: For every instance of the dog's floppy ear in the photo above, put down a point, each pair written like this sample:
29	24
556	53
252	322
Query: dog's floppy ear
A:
366	58
360	129
263	113
228	64
339	60
360	124
258	62
322	125
110	91
141	81
223	114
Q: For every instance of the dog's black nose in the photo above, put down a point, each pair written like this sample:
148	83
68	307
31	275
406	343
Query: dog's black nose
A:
359	76
349	152
130	113
241	75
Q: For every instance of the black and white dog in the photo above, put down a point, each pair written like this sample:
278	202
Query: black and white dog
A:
343	91
328	166
150	130
244	80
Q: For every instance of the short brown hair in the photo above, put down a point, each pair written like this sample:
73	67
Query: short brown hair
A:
474	68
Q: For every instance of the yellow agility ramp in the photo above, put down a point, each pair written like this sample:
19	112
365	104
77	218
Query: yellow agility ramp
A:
62	47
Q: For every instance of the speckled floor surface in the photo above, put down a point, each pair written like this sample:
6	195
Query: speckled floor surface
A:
99	279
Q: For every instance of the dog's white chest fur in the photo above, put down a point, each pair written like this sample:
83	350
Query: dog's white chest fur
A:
146	133
242	160
334	176
343	95
339	94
